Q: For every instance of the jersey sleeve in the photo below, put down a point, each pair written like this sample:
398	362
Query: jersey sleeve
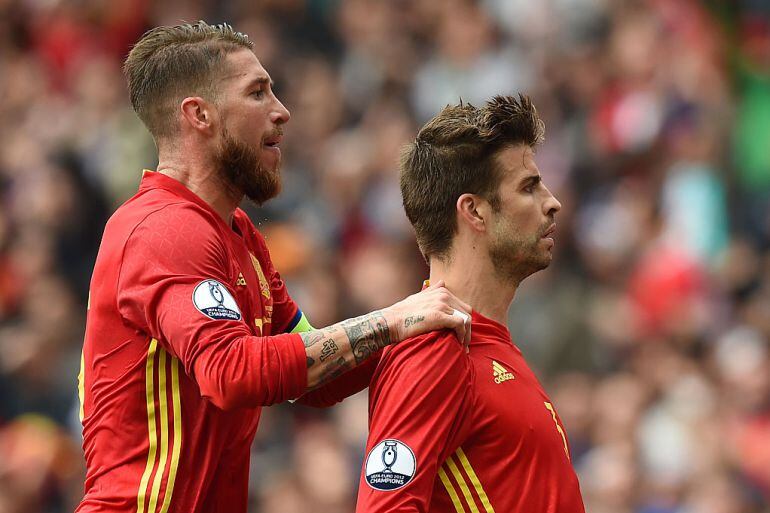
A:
342	387
418	413
167	258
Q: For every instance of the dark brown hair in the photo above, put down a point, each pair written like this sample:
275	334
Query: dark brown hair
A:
453	154
170	63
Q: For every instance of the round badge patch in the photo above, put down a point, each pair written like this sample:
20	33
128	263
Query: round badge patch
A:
390	465
213	299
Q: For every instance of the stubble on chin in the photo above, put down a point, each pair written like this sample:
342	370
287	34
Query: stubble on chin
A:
514	259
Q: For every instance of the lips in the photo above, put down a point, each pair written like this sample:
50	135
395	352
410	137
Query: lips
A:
551	229
273	140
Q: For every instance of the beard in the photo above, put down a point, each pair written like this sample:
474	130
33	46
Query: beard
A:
240	168
514	256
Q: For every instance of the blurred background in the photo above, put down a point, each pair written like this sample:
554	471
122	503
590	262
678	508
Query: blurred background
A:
650	330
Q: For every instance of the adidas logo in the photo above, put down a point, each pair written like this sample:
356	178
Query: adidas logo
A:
501	373
241	280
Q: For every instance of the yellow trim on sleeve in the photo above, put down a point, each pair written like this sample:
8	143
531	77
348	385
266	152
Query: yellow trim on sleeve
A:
163	404
475	480
450	489
150	398
177	405
463	485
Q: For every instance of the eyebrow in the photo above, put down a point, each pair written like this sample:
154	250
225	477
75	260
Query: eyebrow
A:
260	81
531	180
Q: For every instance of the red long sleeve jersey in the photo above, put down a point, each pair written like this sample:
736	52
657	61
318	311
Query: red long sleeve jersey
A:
177	360
450	432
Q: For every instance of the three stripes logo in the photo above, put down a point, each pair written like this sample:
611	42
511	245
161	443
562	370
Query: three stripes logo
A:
500	373
463	485
241	282
164	418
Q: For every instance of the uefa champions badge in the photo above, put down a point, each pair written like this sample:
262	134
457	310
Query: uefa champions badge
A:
212	299
390	465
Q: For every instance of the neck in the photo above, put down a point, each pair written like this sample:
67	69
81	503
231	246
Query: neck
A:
200	175
473	280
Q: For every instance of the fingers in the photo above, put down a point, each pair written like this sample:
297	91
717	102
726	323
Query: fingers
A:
457	304
437	285
459	310
464	335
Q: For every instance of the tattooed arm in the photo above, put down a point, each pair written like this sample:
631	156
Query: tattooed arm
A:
334	350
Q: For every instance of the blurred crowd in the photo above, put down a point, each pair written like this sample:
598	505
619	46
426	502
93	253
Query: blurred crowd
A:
650	331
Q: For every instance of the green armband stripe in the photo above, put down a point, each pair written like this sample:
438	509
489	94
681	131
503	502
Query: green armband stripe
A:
302	325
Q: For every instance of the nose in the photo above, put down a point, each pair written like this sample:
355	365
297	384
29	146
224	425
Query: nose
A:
551	205
280	114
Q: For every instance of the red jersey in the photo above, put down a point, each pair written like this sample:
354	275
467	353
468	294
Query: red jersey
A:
176	360
450	432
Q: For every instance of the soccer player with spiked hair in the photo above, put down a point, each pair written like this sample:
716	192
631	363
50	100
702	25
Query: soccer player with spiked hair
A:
451	431
190	329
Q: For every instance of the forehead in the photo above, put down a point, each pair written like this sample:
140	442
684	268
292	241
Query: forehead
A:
242	68
516	162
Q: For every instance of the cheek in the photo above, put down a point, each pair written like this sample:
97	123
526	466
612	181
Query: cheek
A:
521	215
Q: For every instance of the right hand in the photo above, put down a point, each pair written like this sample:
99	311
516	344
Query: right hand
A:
431	309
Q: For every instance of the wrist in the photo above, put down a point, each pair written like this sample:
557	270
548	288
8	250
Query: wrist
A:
393	321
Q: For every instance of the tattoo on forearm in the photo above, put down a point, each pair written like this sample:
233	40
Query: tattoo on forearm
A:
412	320
335	370
329	349
310	338
367	335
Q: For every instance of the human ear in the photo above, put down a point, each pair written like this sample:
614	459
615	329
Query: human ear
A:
472	210
197	113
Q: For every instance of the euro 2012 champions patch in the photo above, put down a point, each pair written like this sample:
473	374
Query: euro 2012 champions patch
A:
213	299
390	465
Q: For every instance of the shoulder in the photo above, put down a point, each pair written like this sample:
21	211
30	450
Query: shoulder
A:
425	370
179	221
423	351
176	231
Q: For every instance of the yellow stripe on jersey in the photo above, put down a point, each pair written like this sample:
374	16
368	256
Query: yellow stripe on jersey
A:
450	489
549	407
475	480
82	386
163	404
463	485
150	396
177	405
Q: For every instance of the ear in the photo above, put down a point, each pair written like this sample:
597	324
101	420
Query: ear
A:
473	211
198	114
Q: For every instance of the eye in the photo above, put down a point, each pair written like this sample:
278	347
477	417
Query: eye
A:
258	94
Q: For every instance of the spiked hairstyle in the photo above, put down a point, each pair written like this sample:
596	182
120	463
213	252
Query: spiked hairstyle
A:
453	154
169	64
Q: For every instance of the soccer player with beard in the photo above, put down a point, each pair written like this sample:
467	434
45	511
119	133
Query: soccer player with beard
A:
475	432
190	330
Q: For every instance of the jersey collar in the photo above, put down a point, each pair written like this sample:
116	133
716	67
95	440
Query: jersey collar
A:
482	325
154	180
